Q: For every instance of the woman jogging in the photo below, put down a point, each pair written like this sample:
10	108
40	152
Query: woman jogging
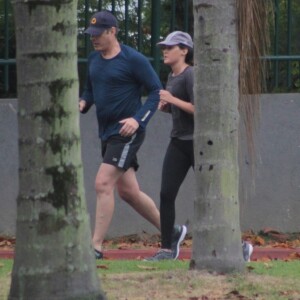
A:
178	100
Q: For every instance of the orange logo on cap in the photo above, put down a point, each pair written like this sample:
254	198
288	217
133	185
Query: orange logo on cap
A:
93	21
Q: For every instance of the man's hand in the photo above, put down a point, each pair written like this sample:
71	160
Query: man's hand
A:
82	105
130	126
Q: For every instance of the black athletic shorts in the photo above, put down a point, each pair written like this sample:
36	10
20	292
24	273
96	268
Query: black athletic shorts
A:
121	151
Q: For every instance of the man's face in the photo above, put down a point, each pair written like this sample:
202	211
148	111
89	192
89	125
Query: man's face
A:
103	41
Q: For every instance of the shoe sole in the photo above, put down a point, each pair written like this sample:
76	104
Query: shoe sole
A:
182	235
250	252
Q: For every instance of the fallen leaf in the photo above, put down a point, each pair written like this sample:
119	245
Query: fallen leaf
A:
250	268
149	268
268	265
258	241
102	267
294	255
282	245
123	246
287	259
187	243
279	236
296	243
236	295
269	230
264	259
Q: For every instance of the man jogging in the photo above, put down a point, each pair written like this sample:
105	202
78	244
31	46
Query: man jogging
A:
116	76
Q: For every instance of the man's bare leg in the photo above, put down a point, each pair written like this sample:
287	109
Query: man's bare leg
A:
129	191
105	183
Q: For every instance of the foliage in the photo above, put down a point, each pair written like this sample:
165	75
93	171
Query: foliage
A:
252	22
7	50
10	30
285	41
136	25
172	17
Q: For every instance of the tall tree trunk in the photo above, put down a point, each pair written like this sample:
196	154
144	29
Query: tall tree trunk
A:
54	258
216	234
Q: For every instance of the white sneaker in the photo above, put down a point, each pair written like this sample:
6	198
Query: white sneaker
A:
247	251
178	235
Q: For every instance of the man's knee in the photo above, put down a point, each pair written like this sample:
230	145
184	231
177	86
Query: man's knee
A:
103	186
129	194
124	193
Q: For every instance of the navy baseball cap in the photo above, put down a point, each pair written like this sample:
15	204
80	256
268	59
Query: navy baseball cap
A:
177	38
101	21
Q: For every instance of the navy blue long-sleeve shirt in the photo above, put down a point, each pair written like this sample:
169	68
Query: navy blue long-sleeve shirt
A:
115	87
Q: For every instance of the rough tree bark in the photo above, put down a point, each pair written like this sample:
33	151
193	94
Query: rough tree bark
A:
54	258
216	234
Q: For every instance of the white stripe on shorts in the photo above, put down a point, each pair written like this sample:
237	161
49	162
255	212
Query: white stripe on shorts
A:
125	152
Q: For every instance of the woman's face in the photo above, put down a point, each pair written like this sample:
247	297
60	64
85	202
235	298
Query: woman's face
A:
173	54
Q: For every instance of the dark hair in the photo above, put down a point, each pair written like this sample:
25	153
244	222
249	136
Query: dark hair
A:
189	59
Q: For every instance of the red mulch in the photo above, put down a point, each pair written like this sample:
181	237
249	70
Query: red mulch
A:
268	244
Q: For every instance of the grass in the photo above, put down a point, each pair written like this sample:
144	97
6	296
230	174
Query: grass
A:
138	280
5	267
277	268
129	266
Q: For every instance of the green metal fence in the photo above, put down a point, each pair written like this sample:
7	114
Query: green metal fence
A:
144	22
286	44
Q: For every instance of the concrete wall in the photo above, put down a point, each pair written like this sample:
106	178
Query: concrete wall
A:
8	165
272	200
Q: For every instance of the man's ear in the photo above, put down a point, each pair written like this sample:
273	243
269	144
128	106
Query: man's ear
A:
114	30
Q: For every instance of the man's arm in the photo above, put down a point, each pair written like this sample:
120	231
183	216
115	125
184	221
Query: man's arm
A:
145	73
87	98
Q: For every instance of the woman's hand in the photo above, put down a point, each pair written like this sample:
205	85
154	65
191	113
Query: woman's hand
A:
166	97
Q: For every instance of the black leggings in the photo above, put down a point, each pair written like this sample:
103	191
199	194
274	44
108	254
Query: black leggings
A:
178	160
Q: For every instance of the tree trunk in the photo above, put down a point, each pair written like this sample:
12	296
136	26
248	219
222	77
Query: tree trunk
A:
54	258
216	234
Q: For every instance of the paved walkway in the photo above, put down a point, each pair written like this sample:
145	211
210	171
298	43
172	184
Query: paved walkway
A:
259	253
